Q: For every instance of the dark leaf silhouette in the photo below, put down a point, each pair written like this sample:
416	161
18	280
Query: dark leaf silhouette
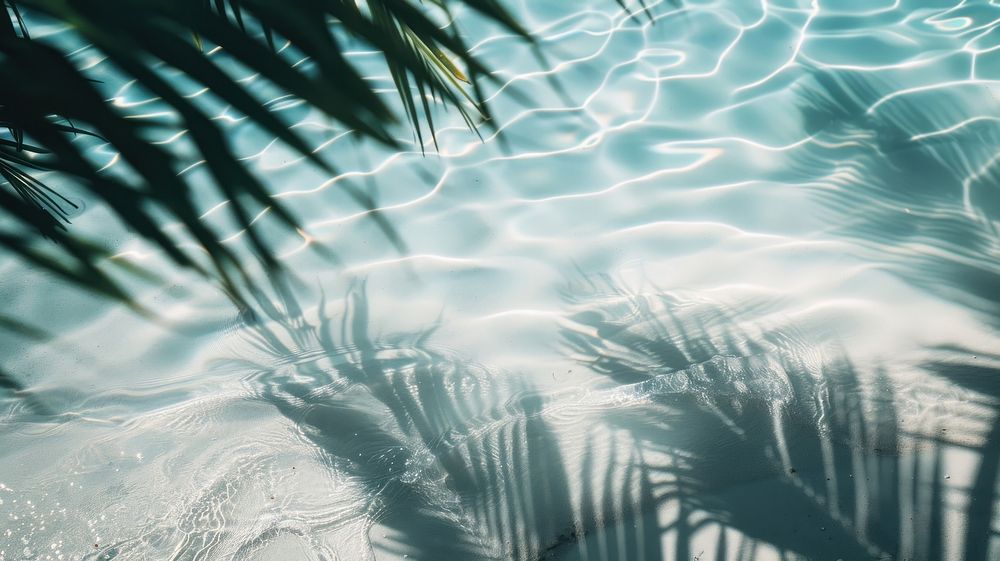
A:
49	105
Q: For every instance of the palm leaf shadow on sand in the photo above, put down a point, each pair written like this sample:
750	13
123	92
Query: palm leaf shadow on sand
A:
458	462
708	440
12	387
981	374
929	193
760	441
752	438
927	183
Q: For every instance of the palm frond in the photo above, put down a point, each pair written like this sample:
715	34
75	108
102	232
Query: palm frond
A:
43	91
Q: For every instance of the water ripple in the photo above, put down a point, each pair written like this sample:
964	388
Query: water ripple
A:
690	219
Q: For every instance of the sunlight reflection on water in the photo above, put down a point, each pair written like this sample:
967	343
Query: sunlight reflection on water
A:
723	268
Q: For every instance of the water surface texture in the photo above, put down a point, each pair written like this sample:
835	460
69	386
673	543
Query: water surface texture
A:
726	286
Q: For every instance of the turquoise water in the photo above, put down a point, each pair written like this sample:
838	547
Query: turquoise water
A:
725	286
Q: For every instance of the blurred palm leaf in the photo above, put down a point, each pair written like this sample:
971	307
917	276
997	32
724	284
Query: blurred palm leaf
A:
47	103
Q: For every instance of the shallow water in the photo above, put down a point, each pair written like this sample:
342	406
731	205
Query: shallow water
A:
725	286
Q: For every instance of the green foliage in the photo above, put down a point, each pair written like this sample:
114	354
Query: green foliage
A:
47	104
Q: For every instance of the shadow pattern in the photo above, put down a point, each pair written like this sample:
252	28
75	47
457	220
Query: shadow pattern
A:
929	193
710	439
763	436
458	462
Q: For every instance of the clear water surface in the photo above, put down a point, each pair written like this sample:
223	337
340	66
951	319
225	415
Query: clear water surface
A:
724	287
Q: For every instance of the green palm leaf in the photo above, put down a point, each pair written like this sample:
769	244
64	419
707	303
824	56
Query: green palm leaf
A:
48	100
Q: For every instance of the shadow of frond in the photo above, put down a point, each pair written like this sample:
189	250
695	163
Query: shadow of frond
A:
923	196
457	461
930	211
979	373
709	439
13	386
761	439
